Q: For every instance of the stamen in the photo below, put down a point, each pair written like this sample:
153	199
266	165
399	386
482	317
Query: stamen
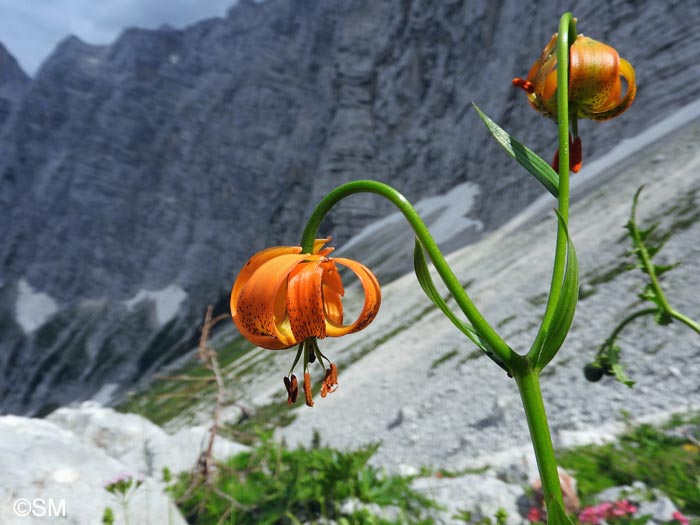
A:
292	386
330	382
307	389
524	84
576	159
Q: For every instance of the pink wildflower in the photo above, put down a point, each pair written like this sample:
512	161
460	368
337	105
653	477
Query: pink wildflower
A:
534	515
680	518
590	515
623	508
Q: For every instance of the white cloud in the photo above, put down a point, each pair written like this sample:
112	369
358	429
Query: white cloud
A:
31	29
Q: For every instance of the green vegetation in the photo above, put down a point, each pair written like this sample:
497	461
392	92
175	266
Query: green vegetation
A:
170	397
659	457
272	484
444	358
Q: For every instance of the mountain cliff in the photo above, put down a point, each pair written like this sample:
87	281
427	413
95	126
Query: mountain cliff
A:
136	178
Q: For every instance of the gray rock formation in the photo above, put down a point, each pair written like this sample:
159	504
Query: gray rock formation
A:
13	82
136	178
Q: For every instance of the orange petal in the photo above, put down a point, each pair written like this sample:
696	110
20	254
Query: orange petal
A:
318	246
370	285
593	74
333	292
304	301
255	262
262	303
628	74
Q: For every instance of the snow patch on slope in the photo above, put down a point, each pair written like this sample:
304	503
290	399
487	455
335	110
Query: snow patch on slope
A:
449	214
32	308
167	301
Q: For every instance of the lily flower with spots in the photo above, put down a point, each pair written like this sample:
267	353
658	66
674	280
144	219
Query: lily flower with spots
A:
596	87
284	298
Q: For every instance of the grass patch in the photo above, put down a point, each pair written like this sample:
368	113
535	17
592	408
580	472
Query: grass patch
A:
505	321
659	458
166	399
443	359
608	275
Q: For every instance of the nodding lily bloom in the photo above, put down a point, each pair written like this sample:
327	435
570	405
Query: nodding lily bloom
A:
283	298
596	72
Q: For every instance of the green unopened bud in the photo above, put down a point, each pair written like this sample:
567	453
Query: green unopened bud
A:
593	372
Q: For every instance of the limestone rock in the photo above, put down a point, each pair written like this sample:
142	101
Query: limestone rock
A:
49	465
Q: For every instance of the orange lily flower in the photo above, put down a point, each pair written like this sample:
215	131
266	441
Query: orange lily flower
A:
596	72
282	298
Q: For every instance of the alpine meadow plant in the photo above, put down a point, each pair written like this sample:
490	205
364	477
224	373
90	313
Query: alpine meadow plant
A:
122	487
287	297
273	485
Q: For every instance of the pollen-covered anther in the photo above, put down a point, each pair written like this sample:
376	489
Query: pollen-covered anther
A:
524	84
330	382
307	389
292	386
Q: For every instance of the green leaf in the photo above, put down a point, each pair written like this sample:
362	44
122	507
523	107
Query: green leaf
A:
612	360
643	234
563	314
428	286
660	269
532	162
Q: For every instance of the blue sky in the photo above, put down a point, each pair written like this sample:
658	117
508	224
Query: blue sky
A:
30	29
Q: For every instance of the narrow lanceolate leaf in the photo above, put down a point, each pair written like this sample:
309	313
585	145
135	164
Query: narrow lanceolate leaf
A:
566	305
532	162
428	286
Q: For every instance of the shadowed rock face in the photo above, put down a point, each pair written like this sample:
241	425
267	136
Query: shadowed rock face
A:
162	161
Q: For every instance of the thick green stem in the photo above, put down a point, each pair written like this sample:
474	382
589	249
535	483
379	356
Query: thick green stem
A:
529	386
499	346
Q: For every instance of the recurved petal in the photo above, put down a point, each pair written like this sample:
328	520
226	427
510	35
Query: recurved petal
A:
261	307
593	73
618	107
255	262
373	299
318	246
305	300
333	292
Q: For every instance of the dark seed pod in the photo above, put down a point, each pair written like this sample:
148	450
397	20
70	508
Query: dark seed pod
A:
593	372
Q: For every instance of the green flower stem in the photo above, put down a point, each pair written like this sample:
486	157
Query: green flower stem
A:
529	386
499	346
684	319
566	35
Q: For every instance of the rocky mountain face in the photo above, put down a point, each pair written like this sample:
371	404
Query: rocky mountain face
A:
136	178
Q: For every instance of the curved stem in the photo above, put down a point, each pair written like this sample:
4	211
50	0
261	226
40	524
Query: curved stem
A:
627	320
566	36
499	346
684	319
